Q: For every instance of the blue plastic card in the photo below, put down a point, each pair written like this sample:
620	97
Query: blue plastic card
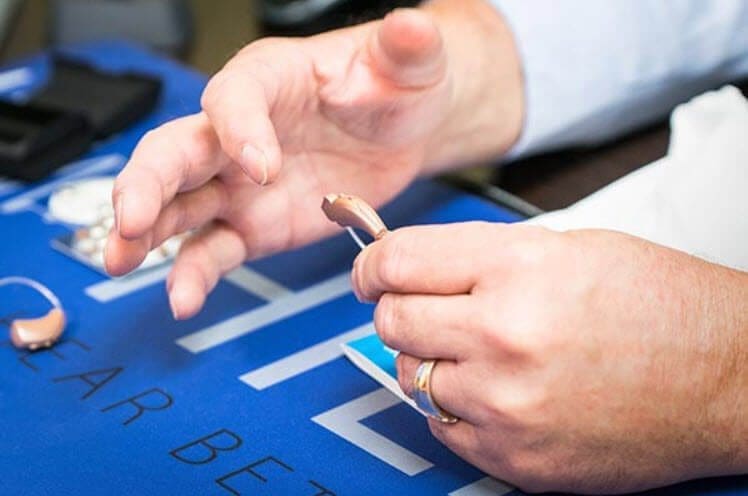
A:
377	360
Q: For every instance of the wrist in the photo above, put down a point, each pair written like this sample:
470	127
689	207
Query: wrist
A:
721	333
487	98
730	301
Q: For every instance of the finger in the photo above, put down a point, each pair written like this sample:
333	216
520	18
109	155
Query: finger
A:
447	387
238	101
180	155
424	325
406	366
191	210
407	49
201	262
186	212
462	437
422	259
123	255
468	441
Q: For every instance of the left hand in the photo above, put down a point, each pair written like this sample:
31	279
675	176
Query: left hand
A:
586	361
363	109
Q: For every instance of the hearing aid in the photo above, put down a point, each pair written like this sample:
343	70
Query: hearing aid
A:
39	332
351	212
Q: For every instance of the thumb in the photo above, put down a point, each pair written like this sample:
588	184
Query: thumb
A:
407	49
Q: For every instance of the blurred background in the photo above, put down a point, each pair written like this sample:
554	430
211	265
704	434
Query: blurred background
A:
202	33
206	33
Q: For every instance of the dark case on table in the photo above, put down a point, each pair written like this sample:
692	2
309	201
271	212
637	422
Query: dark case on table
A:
110	101
35	141
78	105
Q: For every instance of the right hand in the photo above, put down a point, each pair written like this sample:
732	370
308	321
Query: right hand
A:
284	123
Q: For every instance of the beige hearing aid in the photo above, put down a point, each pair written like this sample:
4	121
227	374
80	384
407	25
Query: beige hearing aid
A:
352	212
40	332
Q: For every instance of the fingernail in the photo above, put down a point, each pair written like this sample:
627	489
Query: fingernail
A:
356	282
118	213
174	311
255	163
354	278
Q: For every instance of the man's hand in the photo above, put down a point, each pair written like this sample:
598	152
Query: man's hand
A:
586	361
361	110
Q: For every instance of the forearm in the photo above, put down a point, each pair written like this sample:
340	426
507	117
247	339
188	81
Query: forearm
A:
486	113
729	413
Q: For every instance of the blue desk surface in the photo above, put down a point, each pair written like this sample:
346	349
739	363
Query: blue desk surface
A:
250	397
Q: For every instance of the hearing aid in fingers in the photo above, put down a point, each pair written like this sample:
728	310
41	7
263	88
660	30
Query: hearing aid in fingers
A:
351	212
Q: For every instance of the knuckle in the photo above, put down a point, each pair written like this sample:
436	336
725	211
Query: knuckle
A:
531	246
170	128
492	339
514	332
268	55
521	409
261	45
528	253
150	140
523	342
208	95
218	96
151	135
479	227
153	141
498	338
212	90
482	320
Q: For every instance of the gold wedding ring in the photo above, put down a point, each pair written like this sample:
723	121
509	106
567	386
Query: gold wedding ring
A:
423	397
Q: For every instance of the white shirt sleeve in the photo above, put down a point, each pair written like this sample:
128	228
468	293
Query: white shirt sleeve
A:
596	69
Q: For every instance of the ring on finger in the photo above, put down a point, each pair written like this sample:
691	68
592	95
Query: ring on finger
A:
423	397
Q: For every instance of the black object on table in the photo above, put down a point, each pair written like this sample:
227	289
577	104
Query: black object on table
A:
36	140
110	102
78	104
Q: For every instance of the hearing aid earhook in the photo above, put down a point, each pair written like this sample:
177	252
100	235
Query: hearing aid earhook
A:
352	212
40	332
